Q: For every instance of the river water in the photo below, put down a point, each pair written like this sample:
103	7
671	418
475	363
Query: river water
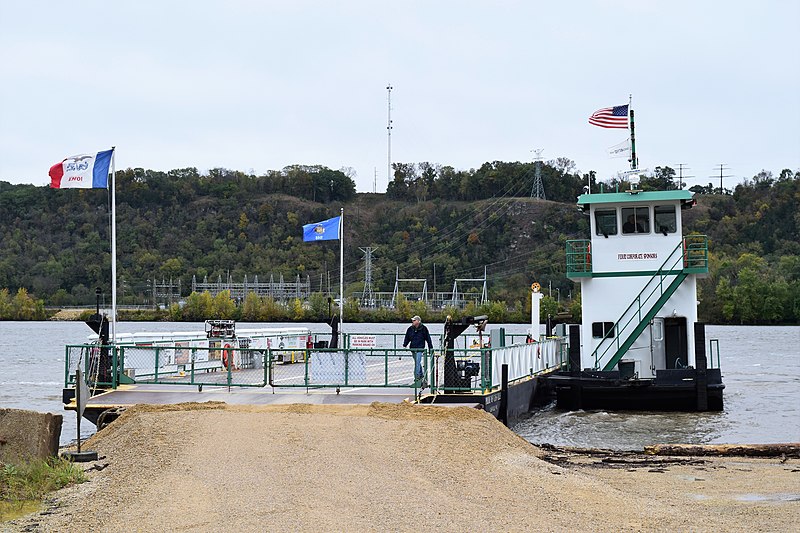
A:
760	367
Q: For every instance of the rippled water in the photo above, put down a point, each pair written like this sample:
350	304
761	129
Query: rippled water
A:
761	372
760	366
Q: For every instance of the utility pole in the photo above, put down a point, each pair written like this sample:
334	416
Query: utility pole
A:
434	283
722	168
375	181
681	168
537	191
389	133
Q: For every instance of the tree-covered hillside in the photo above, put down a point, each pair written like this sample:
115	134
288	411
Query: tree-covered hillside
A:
180	224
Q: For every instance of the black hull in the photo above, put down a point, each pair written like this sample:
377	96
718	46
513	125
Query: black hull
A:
671	390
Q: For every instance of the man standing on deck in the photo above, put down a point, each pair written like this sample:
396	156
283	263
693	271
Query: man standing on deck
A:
417	335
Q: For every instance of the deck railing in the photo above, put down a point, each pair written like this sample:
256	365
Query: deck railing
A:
579	258
475	369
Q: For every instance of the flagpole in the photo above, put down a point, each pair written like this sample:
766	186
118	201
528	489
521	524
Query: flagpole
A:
634	163
341	275
113	245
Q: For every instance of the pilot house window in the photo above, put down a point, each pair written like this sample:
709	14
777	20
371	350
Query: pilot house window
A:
635	220
605	222
664	217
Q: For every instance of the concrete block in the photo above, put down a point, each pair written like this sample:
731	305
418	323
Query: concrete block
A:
27	435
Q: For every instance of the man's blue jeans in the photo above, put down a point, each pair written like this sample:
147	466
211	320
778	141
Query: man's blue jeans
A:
418	373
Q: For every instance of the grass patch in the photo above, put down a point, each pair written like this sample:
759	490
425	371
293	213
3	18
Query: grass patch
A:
22	487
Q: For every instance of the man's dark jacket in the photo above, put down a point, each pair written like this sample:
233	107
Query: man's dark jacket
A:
417	337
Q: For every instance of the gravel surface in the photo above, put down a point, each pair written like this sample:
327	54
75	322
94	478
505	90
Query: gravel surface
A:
389	467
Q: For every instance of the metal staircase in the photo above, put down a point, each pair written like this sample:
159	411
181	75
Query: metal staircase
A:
689	257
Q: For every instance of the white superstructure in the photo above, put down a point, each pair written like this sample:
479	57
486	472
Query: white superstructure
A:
638	281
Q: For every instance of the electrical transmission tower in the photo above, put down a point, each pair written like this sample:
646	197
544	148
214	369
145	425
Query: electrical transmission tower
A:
537	191
722	168
368	298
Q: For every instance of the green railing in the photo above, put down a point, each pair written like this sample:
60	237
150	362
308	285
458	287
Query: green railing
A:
689	256
178	365
364	367
95	361
579	258
473	369
695	254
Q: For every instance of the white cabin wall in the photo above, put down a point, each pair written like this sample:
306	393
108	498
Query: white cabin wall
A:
611	297
616	294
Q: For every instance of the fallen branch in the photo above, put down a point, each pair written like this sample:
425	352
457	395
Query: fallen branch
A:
791	449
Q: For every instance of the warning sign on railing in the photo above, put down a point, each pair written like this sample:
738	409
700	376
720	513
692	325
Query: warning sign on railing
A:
363	341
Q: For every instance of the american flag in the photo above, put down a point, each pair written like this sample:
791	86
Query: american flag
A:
610	117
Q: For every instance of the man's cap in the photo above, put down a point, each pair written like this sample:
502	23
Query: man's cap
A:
416	317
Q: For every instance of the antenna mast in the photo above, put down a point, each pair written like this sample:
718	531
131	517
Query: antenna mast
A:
681	168
537	191
634	159
389	133
722	167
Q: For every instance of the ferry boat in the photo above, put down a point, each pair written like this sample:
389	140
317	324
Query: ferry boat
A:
639	345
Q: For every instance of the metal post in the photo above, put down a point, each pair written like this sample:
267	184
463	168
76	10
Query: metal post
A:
575	365
502	415
701	366
78	379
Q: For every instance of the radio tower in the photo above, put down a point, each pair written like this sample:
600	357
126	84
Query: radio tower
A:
389	133
537	191
368	298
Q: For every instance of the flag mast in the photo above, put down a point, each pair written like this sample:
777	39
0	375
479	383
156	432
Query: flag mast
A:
341	274
113	245
634	162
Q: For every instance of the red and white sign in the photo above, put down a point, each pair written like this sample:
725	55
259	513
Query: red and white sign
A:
363	341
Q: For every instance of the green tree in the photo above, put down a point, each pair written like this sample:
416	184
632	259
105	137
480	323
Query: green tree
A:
223	307
5	305
298	313
198	306
547	307
403	308
23	307
251	308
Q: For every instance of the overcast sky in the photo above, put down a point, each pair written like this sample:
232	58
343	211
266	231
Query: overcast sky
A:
259	85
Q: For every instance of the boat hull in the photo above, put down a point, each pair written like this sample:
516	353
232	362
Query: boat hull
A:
671	390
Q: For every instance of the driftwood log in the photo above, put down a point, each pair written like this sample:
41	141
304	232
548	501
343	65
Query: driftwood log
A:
791	449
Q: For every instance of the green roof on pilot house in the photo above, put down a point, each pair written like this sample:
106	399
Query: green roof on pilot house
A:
634	197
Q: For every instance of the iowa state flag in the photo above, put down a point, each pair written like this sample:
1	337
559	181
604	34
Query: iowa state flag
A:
327	230
87	171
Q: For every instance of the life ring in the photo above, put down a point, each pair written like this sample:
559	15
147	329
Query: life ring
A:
588	257
227	356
